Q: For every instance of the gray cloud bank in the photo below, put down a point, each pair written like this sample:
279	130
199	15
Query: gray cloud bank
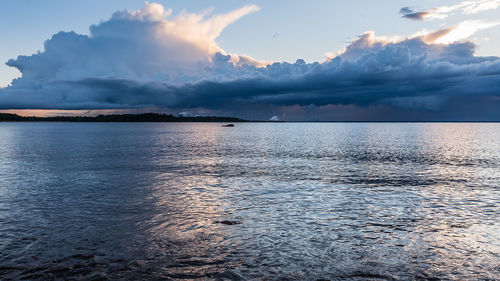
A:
139	60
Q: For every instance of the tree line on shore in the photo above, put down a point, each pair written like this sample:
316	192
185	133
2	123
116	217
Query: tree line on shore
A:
144	117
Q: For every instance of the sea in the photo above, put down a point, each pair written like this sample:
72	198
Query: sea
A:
257	201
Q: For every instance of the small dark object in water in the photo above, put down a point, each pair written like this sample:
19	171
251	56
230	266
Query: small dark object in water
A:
228	125
228	222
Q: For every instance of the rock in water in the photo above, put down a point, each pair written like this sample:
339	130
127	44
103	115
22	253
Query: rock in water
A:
226	222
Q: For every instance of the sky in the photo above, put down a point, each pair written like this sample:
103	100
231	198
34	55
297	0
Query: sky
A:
314	60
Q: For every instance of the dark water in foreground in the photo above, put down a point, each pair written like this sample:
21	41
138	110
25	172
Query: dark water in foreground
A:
315	201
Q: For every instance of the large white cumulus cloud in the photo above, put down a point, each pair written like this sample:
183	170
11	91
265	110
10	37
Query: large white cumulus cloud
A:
149	58
141	45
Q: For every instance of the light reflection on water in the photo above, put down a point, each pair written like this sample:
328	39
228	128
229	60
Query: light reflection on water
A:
316	201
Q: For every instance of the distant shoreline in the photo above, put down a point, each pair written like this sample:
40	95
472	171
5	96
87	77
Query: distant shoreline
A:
144	117
157	117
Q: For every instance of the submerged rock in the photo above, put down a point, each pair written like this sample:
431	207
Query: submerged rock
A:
226	222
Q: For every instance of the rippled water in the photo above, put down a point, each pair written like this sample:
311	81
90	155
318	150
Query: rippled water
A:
315	201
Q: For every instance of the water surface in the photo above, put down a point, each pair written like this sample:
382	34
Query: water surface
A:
334	201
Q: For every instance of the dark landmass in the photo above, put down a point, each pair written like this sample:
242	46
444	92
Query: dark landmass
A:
145	117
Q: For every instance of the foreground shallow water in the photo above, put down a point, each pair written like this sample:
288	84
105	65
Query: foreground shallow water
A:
309	201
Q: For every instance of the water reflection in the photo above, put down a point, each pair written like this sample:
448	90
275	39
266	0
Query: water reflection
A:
316	201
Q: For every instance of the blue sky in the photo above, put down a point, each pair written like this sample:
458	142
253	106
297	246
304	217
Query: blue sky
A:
315	60
280	31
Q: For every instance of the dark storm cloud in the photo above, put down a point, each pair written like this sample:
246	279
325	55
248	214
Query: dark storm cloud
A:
110	72
409	73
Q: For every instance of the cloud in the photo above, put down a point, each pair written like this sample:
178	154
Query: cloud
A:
466	7
148	59
410	14
470	7
141	45
464	30
455	33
